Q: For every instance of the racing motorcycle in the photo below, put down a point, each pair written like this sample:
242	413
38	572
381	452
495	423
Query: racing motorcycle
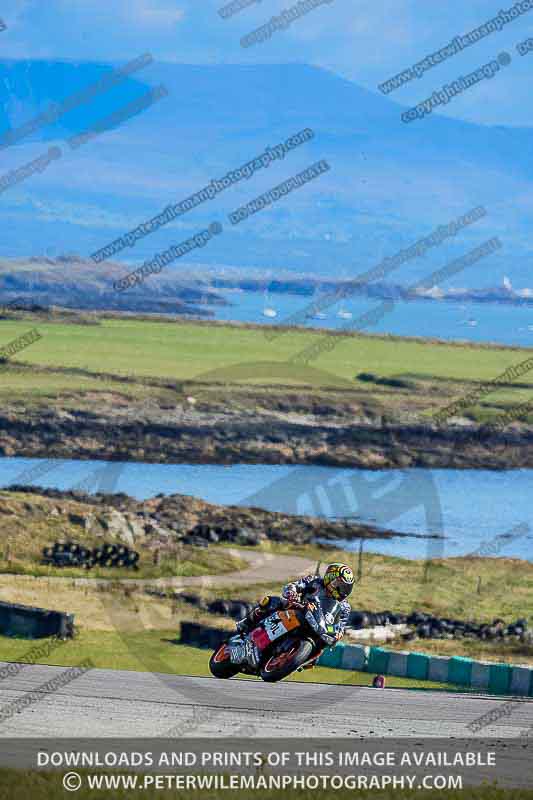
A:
287	640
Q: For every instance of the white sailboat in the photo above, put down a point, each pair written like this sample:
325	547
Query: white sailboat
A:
314	312
342	313
268	309
316	315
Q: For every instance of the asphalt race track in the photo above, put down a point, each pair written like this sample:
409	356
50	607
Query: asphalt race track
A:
119	703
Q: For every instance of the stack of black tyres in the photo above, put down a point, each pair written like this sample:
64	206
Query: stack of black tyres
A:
428	626
115	555
198	635
72	554
236	609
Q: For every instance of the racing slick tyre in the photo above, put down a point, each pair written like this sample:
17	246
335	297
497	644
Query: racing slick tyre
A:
279	665
220	664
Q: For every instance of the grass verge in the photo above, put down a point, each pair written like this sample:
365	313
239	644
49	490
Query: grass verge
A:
15	785
159	651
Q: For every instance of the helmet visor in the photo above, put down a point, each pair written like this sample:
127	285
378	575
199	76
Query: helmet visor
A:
339	588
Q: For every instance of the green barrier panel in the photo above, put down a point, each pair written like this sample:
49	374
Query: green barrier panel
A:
480	676
398	663
325	658
354	658
438	669
378	660
460	671
520	680
418	666
331	657
500	678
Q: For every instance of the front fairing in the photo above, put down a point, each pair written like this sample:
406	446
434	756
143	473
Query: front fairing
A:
322	614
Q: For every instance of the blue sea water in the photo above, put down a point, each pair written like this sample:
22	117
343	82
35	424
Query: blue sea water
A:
473	322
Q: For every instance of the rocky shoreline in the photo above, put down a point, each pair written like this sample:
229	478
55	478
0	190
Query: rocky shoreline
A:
170	519
190	436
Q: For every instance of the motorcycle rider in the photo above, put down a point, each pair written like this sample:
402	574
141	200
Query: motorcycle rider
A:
338	582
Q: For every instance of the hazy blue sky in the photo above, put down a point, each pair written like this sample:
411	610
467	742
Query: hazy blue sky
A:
366	41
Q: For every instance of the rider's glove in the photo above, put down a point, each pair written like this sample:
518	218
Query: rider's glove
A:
291	597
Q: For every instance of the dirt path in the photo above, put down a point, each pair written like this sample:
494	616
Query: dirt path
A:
262	568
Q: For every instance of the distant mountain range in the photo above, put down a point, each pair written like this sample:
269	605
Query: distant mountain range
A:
389	183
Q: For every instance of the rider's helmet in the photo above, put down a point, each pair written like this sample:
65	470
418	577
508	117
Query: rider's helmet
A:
338	580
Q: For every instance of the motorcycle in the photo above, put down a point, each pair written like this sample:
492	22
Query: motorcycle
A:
287	640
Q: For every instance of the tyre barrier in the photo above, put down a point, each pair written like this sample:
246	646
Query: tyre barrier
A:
428	626
73	554
425	625
197	635
203	534
189	598
234	609
34	623
489	676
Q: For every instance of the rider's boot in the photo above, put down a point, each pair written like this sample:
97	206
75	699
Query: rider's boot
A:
254	617
248	623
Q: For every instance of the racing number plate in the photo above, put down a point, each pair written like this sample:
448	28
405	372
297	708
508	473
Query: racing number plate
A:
275	626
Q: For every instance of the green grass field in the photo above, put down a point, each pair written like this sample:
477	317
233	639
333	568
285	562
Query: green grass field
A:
186	351
207	356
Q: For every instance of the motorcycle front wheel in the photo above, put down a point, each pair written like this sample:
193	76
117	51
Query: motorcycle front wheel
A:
279	665
220	665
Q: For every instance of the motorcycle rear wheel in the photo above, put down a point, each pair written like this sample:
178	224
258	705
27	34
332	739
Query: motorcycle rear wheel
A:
220	665
279	665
